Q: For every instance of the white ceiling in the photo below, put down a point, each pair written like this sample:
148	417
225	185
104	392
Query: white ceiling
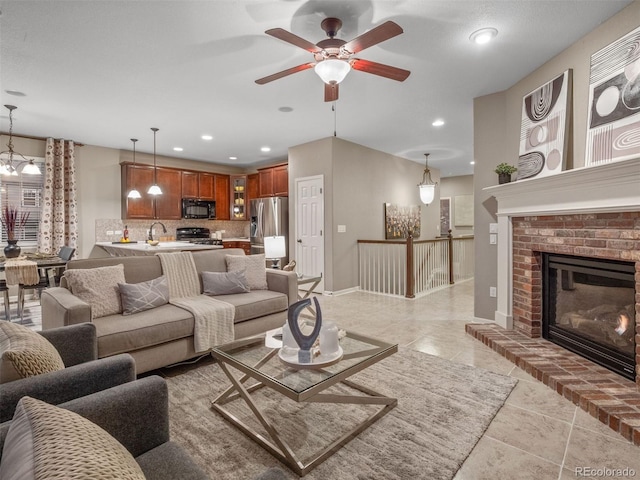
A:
101	72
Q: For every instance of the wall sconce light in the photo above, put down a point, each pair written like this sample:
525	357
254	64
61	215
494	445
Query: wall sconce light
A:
427	187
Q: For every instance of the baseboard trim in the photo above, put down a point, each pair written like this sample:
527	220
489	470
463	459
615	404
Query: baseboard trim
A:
341	292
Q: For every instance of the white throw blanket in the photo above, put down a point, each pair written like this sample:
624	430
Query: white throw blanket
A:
213	318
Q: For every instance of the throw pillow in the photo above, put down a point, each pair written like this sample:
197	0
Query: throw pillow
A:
254	269
25	353
224	283
98	287
49	442
138	297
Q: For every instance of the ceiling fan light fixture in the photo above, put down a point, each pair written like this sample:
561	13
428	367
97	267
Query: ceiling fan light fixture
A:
332	70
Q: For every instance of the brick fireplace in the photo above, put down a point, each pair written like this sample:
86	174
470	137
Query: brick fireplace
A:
589	212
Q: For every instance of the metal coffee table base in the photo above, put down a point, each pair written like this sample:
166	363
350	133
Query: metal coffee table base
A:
277	446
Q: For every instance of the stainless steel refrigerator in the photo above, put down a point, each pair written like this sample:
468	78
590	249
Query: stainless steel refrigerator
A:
269	217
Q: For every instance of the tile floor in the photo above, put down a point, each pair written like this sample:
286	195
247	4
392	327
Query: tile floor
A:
537	434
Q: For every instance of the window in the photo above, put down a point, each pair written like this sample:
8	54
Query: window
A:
25	193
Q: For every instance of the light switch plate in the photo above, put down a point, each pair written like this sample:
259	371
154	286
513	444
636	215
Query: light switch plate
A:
342	228
493	239
492	291
493	228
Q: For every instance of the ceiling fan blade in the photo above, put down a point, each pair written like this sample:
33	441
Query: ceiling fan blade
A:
293	39
374	36
284	73
381	69
331	92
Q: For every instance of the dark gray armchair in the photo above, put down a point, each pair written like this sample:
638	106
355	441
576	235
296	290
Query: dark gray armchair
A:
84	373
137	415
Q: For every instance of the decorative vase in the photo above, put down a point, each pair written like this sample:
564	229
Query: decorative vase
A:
12	250
504	178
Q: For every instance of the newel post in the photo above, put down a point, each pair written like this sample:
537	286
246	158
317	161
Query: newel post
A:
410	293
450	237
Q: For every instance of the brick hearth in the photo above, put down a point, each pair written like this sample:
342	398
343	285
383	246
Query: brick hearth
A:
610	398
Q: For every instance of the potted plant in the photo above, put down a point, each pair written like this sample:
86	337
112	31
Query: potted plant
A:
504	171
12	221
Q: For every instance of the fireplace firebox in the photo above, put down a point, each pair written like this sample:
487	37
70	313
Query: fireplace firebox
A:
588	307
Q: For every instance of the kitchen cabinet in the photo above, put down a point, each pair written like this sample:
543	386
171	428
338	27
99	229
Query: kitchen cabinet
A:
198	185
169	204
238	197
253	183
274	181
246	246
223	212
141	177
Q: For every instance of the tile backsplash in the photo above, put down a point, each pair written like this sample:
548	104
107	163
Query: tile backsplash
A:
138	229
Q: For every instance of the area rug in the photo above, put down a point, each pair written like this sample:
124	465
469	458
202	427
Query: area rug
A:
443	410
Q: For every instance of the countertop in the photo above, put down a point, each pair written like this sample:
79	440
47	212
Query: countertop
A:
236	239
143	248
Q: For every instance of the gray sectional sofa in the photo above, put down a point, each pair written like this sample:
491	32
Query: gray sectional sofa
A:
164	335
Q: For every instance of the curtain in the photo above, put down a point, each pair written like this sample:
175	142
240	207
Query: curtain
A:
59	219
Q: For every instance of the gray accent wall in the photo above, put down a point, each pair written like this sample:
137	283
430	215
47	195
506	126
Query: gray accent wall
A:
497	135
358	181
452	187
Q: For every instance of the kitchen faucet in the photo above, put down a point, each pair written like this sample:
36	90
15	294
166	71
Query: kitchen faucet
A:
164	229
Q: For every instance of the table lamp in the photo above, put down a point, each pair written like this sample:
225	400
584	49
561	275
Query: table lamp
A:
274	250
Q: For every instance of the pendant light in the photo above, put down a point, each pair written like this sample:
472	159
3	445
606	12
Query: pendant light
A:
8	168
427	186
154	189
134	193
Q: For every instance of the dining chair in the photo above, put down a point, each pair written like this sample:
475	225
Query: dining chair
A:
4	288
45	281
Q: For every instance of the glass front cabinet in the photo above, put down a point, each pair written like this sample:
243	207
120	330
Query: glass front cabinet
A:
239	202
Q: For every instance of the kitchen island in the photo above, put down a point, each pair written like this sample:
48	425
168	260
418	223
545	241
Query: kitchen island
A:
129	249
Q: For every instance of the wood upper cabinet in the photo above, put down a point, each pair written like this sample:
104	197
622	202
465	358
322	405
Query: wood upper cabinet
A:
169	204
198	185
281	181
139	177
274	181
253	185
238	192
223	211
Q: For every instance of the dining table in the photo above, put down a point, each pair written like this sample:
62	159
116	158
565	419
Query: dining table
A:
29	268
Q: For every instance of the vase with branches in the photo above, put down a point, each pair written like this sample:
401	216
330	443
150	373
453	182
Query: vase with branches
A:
13	221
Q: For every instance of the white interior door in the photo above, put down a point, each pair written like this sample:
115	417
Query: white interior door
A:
309	227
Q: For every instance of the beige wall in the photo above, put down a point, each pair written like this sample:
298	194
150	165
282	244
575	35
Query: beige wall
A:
452	187
358	181
497	136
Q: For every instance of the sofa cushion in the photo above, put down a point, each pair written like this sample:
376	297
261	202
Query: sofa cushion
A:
256	303
224	283
25	353
48	442
121	334
98	287
254	269
138	297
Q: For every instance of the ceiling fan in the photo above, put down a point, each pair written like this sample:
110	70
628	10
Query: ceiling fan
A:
333	58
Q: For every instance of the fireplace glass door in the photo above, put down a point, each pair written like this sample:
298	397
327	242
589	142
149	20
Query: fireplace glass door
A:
589	308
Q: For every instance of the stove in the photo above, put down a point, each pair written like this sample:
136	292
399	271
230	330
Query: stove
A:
197	235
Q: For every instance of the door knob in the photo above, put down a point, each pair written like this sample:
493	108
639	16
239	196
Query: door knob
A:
299	240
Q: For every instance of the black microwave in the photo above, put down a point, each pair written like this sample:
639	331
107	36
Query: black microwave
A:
192	208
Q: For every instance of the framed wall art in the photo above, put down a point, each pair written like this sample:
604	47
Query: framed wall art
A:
544	130
463	211
613	126
399	221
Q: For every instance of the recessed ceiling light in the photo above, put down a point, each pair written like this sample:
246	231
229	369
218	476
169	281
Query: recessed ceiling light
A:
207	137
286	109
15	93
233	158
265	149
438	123
472	163
178	149
484	35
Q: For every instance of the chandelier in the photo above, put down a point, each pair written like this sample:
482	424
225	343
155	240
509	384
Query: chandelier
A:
7	167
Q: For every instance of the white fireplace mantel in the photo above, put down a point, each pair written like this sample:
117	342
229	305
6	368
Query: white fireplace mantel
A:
614	187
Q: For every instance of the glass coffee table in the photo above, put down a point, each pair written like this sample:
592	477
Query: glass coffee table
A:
262	364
